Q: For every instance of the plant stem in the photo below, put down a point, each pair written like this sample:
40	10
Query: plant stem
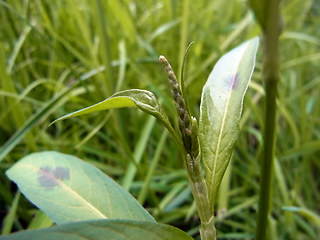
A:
271	76
189	147
201	197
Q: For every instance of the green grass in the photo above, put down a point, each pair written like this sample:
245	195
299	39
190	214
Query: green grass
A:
60	56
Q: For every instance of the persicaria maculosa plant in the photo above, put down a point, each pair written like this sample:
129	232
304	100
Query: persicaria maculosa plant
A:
84	202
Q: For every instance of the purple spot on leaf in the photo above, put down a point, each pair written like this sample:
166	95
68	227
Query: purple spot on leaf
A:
234	81
61	173
50	178
231	82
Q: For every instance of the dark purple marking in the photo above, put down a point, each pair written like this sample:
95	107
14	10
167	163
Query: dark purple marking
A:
234	81
50	178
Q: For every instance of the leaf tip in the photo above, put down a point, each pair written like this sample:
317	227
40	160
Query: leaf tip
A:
60	118
53	122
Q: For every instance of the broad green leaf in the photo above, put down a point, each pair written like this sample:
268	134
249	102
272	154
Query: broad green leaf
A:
220	111
68	189
113	229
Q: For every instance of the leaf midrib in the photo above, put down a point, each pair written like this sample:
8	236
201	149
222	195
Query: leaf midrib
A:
211	187
73	193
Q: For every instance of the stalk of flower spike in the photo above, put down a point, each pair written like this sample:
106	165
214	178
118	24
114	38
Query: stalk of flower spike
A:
189	131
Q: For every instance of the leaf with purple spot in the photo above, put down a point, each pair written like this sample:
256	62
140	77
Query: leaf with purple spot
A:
49	178
68	189
220	111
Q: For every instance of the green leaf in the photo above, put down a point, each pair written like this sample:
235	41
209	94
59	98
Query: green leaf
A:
113	229
37	117
310	215
144	100
220	111
9	220
69	189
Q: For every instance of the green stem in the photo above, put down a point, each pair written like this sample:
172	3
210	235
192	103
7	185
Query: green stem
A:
199	190
201	197
189	147
271	76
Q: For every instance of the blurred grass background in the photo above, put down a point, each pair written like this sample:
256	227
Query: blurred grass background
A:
60	56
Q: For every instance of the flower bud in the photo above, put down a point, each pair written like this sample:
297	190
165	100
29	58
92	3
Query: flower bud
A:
187	125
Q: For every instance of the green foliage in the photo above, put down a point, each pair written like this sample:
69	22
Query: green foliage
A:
39	115
144	100
311	216
220	111
66	44
104	229
68	189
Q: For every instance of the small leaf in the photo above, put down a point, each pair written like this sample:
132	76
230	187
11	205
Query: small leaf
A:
69	189
142	99
114	229
220	111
